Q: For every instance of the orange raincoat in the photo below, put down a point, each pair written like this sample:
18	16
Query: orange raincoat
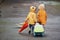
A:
42	16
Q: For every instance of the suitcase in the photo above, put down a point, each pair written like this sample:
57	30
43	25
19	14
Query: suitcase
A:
38	30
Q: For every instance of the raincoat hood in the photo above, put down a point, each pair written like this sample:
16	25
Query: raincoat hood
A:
32	9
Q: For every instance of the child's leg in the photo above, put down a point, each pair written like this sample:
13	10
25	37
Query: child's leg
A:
31	28
43	26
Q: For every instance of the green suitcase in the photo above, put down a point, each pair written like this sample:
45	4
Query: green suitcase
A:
38	30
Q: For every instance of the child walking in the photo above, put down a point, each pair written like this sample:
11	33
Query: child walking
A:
41	15
31	19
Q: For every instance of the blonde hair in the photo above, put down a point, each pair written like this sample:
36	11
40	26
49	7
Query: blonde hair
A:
41	5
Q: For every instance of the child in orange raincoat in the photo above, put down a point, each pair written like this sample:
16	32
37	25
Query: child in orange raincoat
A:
31	18
41	15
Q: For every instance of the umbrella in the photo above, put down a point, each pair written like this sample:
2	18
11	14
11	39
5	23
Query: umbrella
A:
24	26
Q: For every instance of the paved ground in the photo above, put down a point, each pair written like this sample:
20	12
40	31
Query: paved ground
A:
17	12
